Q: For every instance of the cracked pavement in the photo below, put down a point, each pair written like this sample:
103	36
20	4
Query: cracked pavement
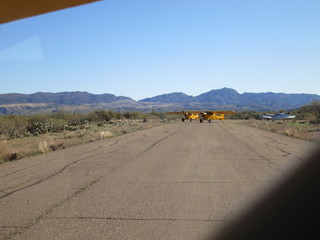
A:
174	181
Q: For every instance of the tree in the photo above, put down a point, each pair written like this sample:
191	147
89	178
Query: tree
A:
314	109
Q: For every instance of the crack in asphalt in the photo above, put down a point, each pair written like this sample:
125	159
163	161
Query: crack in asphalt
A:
141	140
19	230
281	150
112	144
274	140
6	194
157	142
271	164
144	219
118	149
15	186
35	165
48	177
246	145
286	154
39	164
199	182
11	227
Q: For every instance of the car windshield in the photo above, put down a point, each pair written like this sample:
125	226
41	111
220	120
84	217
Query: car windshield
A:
162	119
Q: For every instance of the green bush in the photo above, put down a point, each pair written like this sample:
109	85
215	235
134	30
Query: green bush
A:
97	116
58	125
40	127
313	108
314	121
133	115
104	115
18	126
13	126
246	115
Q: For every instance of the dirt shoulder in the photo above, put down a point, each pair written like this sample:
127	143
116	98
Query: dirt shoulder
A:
296	129
18	148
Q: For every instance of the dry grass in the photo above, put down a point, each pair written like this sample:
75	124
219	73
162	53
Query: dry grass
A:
6	152
18	148
297	129
104	134
43	146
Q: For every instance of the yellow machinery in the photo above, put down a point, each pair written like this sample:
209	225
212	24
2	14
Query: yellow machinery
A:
214	115
203	115
189	115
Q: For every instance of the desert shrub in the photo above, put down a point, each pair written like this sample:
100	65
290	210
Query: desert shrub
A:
6	153
40	127
104	115
104	134
100	116
56	146
159	115
96	116
313	108
68	116
40	124
314	121
12	156
116	115
13	126
58	125
19	126
39	118
43	146
57	119
246	115
133	115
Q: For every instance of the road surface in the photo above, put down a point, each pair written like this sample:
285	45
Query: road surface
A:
174	181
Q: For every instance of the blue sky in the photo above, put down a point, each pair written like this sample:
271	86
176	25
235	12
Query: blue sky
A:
144	48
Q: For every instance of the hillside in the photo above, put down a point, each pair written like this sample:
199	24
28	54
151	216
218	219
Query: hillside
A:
62	98
230	99
219	99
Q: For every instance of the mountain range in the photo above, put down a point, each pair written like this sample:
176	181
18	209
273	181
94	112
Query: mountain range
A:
219	99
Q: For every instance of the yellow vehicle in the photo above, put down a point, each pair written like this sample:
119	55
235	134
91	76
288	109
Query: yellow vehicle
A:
202	115
214	115
189	115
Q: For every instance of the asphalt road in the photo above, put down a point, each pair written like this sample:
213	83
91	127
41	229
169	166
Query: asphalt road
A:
174	181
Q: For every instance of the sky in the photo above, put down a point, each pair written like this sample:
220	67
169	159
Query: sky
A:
143	48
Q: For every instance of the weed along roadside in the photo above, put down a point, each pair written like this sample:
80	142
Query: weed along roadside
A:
297	129
24	136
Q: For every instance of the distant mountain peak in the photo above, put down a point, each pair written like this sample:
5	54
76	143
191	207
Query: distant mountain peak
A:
215	99
222	96
62	98
176	97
